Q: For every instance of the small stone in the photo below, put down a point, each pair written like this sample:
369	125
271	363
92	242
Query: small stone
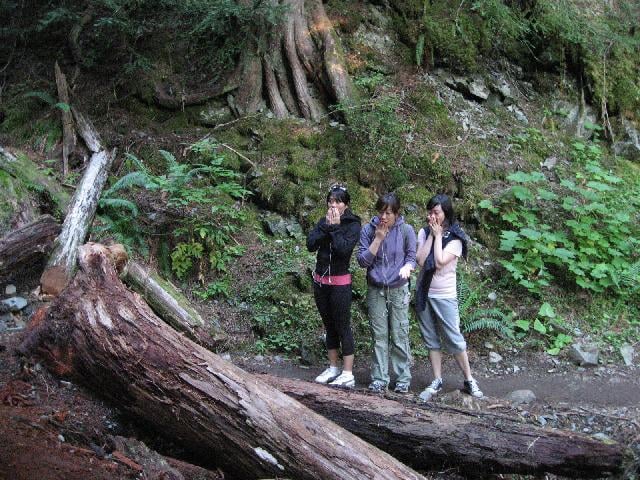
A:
61	438
602	437
519	397
10	290
495	357
488	345
516	369
15	304
627	353
550	162
278	359
226	357
541	420
259	358
493	296
66	384
334	124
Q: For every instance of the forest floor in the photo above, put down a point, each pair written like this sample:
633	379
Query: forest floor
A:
53	429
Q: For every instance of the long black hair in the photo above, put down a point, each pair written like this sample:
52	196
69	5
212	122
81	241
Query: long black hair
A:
447	207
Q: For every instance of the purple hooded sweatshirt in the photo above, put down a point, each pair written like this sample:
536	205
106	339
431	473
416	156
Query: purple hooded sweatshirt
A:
383	269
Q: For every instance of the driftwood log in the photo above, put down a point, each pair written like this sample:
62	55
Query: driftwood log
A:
106	337
24	251
437	436
171	305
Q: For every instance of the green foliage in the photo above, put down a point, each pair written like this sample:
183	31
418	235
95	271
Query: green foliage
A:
285	315
386	131
582	230
547	324
601	45
207	190
475	317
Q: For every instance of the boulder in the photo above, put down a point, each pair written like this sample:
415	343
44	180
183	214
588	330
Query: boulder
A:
628	145
584	355
627	352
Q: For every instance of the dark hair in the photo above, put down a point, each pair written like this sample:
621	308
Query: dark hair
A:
447	207
388	200
339	193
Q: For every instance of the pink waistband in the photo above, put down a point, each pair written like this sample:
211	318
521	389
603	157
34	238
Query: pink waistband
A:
337	280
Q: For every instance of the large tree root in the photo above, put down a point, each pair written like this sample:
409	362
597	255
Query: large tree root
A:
302	71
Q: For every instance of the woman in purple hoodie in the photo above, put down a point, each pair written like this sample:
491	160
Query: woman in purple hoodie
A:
387	250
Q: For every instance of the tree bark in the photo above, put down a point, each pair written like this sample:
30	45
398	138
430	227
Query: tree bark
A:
24	252
110	340
172	306
435	436
301	67
87	131
76	224
69	139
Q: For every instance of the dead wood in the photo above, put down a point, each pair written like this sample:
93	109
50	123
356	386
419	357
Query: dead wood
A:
172	306
111	341
69	139
153	466
24	251
77	223
436	436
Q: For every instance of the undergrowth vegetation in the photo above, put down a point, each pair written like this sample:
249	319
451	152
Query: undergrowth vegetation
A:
200	201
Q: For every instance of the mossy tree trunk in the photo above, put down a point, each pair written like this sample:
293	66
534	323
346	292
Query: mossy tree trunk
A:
298	70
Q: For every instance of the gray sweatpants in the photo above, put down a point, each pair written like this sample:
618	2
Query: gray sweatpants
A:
440	324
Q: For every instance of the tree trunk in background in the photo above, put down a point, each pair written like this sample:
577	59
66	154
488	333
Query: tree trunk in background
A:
109	339
24	252
435	436
69	139
171	305
301	71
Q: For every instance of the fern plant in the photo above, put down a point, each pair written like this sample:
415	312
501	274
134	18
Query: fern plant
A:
473	316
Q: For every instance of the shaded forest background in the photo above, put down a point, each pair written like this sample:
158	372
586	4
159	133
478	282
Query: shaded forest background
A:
231	119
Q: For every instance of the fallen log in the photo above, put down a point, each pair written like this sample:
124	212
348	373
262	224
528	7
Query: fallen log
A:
436	436
107	338
76	223
171	305
24	252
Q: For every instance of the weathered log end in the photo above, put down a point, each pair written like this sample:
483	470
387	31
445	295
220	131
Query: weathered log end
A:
53	280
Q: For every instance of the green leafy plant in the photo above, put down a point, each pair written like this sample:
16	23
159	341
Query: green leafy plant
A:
207	190
473	316
581	230
547	324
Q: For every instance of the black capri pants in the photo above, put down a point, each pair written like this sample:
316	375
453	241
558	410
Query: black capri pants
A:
334	305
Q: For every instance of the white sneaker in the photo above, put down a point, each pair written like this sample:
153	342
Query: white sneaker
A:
471	387
328	375
345	380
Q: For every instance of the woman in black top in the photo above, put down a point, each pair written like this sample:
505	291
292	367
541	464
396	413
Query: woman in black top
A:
334	237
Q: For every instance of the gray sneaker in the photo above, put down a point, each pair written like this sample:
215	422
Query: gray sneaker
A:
377	386
431	390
